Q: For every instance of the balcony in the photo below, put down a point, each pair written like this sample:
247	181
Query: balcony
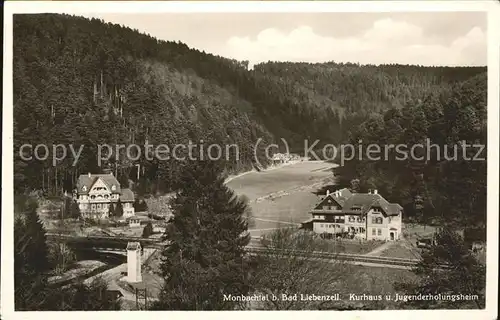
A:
333	220
327	211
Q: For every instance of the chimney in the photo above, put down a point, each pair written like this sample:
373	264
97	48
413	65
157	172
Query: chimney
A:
89	174
375	191
327	193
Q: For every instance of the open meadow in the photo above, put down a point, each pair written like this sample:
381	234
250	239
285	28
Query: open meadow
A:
283	196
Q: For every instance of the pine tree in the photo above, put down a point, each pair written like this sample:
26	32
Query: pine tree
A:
123	180
148	230
464	274
66	210
118	209
111	210
75	210
32	265
87	297
30	258
207	234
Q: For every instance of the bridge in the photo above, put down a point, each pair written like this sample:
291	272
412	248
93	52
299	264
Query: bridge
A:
119	244
107	243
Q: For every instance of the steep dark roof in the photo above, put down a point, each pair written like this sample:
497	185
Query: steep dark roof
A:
394	209
363	202
340	199
127	195
341	195
88	181
133	246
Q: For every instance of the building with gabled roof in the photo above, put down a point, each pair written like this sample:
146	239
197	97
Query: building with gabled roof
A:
97	193
363	215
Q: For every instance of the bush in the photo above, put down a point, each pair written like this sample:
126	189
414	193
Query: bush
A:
148	230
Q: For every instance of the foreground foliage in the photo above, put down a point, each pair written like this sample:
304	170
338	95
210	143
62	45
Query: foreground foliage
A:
465	275
32	268
86	82
207	234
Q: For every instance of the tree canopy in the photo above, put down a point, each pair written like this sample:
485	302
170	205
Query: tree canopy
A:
86	82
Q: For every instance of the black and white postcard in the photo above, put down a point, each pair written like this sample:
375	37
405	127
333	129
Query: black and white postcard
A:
250	156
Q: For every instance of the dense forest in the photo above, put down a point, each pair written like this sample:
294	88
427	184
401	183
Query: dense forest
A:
443	181
86	82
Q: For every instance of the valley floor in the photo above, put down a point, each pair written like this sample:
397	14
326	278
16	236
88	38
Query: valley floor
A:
282	197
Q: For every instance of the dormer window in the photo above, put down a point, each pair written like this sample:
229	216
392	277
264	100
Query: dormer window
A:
84	188
113	187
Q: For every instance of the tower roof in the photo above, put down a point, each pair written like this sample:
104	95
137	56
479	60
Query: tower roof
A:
133	246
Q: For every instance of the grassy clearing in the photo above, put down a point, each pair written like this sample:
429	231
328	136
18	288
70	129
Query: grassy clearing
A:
401	250
284	195
260	184
348	246
377	281
412	232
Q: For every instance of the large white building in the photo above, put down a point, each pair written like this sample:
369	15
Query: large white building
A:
96	193
365	215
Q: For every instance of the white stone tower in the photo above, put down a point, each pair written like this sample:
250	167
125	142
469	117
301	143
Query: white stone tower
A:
134	262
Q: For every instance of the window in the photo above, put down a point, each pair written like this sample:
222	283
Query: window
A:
352	219
358	219
113	187
379	232
373	231
362	230
376	220
84	188
322	225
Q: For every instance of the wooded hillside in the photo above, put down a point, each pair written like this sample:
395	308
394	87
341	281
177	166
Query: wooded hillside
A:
87	82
